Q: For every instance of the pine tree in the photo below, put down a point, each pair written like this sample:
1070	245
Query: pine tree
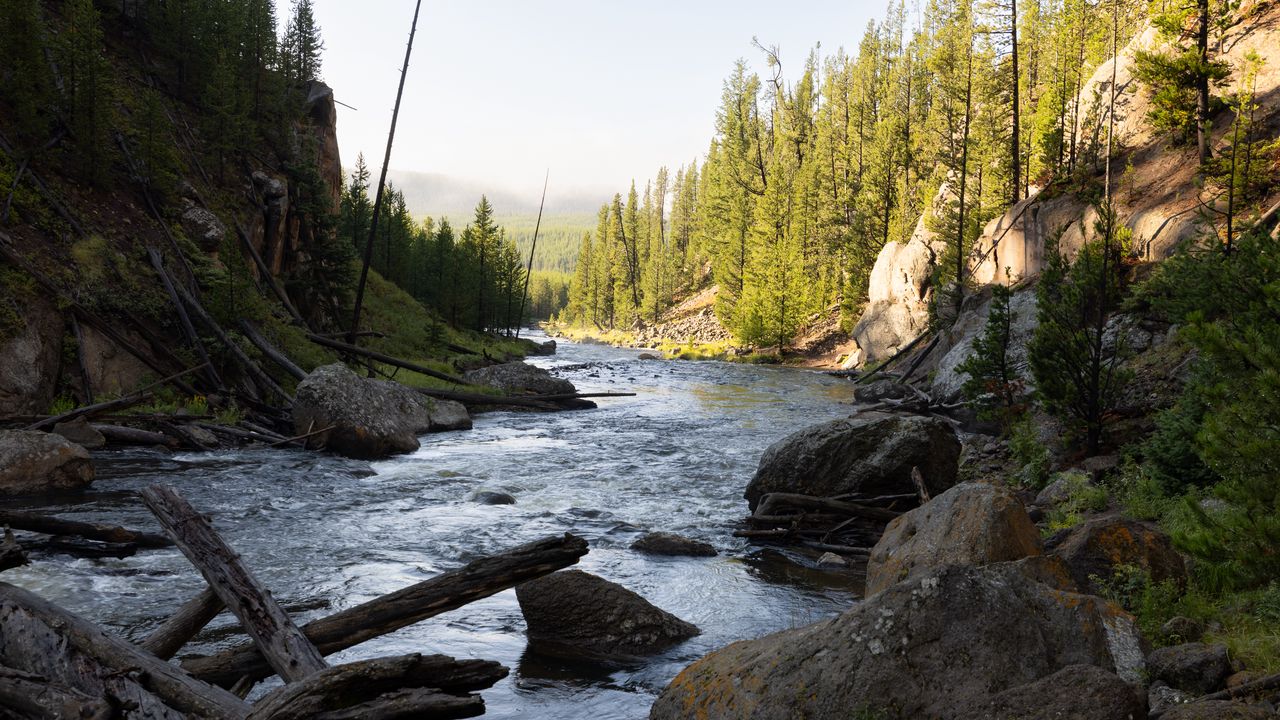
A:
88	92
302	45
25	82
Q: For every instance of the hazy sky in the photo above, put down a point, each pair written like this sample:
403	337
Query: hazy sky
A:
596	90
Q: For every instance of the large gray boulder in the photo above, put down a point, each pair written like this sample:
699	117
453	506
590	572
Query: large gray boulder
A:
520	378
869	453
970	524
576	614
1079	692
33	462
1096	548
370	418
1197	668
935	646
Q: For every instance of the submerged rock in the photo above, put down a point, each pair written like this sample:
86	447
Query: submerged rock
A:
871	453
33	462
935	646
576	614
970	524
1097	547
490	497
371	418
665	543
520	378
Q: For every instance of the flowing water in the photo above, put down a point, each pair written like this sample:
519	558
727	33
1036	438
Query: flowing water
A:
326	533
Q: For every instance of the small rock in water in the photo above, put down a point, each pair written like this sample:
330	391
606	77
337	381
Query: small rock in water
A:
831	560
665	543
81	433
648	356
490	497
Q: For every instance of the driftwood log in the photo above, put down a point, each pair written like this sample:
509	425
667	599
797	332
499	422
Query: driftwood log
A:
447	591
370	688
281	642
168	639
47	525
79	547
124	435
47	641
25	695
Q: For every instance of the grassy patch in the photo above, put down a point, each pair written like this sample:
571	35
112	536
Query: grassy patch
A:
1082	497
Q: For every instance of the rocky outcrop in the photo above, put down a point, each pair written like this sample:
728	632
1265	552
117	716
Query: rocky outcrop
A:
1079	692
665	543
31	359
1196	668
956	344
573	613
970	524
701	326
520	378
34	462
935	646
203	227
370	418
1097	547
869	453
112	370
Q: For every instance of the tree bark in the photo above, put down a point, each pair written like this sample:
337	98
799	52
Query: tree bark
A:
183	625
33	697
43	639
345	686
448	591
48	525
270	351
277	638
1202	82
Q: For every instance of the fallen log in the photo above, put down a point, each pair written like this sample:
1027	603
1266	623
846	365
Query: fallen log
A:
839	549
129	400
382	358
41	638
24	695
290	653
542	402
183	625
270	351
80	547
11	553
345	686
267	275
188	329
809	502
415	703
48	525
123	435
304	436
447	591
238	434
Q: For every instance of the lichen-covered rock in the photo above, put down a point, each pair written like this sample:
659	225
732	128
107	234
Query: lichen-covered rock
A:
970	524
203	227
934	646
33	462
519	378
1079	692
665	543
869	453
573	613
370	418
1194	667
1097	547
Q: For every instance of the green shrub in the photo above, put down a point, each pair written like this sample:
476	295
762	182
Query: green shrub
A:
1082	496
1033	457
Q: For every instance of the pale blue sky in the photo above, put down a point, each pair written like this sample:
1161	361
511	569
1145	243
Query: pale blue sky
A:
599	91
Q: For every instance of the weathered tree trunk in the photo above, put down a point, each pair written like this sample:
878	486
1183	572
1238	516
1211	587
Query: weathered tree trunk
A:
39	638
270	351
1202	82
183	625
346	686
278	639
102	407
380	357
123	435
48	525
193	338
448	591
25	695
80	547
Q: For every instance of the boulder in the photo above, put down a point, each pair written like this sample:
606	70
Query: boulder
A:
33	462
1080	692
518	377
1059	490
970	524
869	453
1182	629
1098	546
1161	697
665	543
936	646
576	614
1218	710
30	357
546	348
1195	667
81	433
831	560
371	418
880	390
203	227
490	497
899	290
648	356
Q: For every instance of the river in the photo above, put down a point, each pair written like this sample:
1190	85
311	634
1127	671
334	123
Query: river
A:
326	533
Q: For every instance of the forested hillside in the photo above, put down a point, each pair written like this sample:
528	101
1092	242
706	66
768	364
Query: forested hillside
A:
951	113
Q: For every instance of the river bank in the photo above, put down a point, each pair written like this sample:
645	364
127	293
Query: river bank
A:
328	532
